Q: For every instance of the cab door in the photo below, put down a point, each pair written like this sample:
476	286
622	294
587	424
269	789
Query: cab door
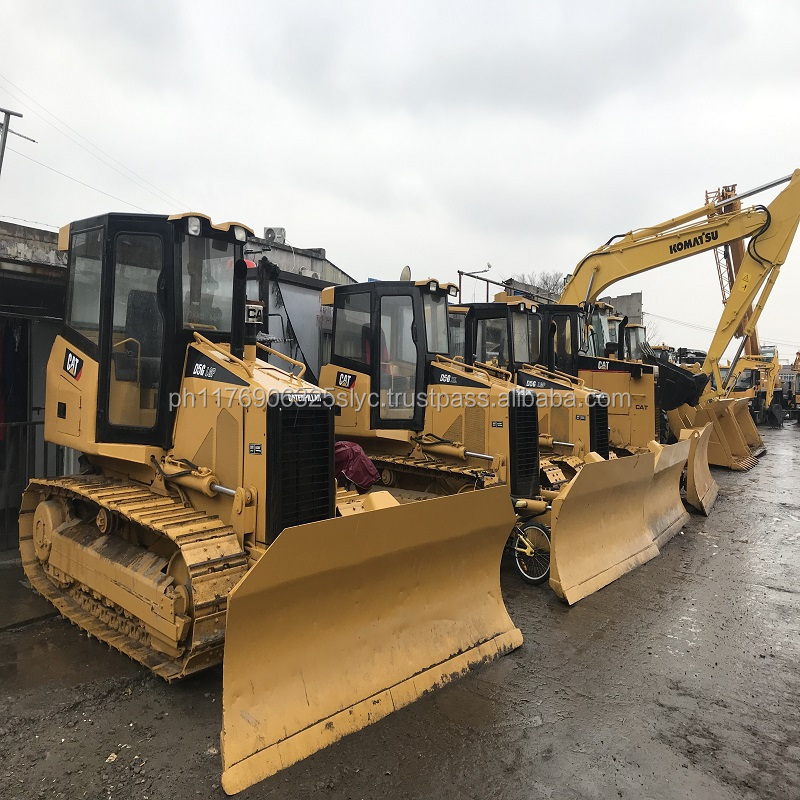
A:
137	321
397	360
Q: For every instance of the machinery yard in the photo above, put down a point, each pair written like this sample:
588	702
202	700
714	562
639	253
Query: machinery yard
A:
680	679
372	438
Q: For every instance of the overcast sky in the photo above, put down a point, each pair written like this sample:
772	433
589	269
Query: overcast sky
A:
439	135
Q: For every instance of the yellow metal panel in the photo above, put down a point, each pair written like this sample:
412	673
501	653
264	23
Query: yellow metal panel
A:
701	488
664	508
343	621
598	526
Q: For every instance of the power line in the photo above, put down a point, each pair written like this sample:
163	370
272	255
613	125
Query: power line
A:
164	196
29	221
705	328
88	186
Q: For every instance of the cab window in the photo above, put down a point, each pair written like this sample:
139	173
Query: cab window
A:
521	333
397	358
207	275
491	346
457	335
434	307
352	330
535	337
137	331
563	345
85	270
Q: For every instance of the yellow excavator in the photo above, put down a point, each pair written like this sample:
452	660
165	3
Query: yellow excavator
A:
735	442
438	425
206	513
757	379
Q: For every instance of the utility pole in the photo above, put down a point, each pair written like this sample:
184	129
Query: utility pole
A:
4	135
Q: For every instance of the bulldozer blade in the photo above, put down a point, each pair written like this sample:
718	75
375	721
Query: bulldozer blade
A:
598	529
701	488
343	621
727	446
664	508
741	411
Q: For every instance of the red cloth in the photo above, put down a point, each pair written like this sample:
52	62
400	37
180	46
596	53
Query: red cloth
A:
353	464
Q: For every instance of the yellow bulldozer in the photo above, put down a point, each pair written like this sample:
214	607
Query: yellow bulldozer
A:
508	332
205	524
735	442
439	425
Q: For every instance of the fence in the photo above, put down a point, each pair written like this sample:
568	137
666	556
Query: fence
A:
23	454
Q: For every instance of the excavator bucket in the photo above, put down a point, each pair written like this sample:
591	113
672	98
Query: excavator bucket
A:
664	508
727	446
701	488
741	412
343	621
598	529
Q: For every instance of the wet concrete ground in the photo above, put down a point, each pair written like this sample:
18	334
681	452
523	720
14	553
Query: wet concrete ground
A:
682	679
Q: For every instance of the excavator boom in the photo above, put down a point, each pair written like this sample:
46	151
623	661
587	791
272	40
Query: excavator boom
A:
735	441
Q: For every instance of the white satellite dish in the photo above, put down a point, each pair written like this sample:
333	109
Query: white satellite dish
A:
405	275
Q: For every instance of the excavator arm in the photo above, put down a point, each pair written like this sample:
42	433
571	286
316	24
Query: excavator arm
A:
735	441
772	229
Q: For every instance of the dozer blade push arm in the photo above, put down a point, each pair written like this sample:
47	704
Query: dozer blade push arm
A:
675	239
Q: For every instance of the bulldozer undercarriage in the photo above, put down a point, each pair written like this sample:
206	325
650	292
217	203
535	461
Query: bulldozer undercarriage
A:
147	574
430	474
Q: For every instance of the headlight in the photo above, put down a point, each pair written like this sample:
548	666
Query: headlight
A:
433	286
193	226
240	233
453	291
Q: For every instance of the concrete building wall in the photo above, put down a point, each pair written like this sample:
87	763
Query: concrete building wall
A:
19	243
627	305
308	262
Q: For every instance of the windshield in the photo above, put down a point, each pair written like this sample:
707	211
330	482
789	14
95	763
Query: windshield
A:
207	283
435	307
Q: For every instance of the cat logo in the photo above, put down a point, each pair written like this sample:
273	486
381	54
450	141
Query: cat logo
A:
602	365
73	365
641	407
345	380
254	314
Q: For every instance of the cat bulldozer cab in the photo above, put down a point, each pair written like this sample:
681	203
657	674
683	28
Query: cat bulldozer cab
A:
734	442
577	420
207	479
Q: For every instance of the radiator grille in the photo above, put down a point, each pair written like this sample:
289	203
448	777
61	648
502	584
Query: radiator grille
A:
598	429
300	472
523	432
475	428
